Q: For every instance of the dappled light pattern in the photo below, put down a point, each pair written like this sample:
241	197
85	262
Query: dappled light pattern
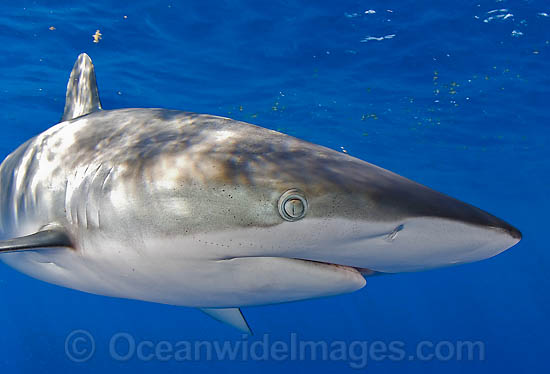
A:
147	166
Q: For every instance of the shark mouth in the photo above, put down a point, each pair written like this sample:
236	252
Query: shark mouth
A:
364	271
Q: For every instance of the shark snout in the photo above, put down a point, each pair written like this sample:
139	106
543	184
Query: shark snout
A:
472	234
508	229
429	229
422	243
464	233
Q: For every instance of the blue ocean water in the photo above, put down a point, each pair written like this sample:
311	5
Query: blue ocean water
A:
453	95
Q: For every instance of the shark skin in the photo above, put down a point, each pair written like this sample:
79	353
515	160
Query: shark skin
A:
203	211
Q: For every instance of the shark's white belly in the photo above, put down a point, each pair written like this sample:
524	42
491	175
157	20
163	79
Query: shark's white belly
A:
164	272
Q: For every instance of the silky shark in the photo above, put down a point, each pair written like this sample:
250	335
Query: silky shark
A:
203	211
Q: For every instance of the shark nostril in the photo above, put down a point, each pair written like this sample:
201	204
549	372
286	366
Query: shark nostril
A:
392	235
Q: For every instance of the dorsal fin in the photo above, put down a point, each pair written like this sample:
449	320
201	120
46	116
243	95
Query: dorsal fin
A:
82	96
54	237
231	316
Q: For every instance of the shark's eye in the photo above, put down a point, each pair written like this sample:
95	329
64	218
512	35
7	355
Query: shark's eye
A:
292	205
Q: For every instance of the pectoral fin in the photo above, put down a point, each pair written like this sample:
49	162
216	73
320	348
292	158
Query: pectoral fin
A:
231	316
41	239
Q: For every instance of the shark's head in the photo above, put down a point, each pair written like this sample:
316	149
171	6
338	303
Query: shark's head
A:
364	216
301	200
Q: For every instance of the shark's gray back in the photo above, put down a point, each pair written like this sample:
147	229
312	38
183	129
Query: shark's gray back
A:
70	174
61	174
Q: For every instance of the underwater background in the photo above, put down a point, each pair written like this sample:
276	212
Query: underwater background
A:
454	95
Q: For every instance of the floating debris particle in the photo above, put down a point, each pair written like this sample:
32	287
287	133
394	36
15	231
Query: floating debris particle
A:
543	14
125	17
97	36
377	38
370	11
51	28
343	150
369	116
516	33
497	10
498	15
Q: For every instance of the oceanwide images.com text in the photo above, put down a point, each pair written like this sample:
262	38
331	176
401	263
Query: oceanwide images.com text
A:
80	346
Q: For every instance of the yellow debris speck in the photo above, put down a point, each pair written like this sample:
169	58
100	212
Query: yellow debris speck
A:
97	36
51	28
125	17
367	116
240	108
